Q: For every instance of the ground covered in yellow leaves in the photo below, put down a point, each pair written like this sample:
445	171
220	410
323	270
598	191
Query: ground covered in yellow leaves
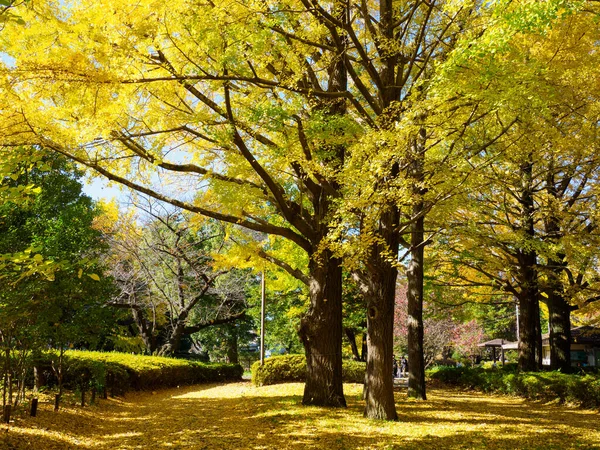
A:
241	416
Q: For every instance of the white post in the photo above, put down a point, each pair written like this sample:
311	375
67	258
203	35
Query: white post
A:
518	330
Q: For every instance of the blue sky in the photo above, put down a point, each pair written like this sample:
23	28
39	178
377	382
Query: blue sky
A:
98	189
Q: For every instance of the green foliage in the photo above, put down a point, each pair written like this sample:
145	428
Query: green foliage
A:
122	372
279	369
353	371
545	386
289	368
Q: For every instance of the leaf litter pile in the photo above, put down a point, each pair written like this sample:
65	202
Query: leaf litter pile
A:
241	416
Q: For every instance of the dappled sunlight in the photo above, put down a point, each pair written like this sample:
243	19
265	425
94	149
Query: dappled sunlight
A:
242	416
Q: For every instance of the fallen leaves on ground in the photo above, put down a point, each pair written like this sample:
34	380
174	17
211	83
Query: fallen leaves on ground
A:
241	416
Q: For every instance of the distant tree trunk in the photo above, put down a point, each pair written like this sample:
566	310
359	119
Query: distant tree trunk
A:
321	334
146	332
351	335
232	346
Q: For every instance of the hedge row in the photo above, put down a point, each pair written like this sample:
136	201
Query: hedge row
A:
121	372
547	386
290	368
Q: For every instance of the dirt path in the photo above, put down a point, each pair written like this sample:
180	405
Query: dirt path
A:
240	416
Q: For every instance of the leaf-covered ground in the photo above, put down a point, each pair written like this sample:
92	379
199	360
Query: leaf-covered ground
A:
241	416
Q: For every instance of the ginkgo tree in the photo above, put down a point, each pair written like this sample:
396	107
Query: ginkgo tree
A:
530	225
257	156
63	308
325	123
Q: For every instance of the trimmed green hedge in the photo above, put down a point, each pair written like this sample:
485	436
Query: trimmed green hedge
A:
547	386
121	372
290	368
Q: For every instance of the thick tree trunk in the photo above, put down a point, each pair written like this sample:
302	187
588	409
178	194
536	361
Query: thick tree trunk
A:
529	317
560	328
380	296
321	334
379	382
527	332
558	308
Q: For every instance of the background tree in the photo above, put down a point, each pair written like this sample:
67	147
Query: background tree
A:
164	268
63	309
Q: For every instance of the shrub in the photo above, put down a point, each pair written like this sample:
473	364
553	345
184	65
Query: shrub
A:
290	368
546	386
353	371
121	372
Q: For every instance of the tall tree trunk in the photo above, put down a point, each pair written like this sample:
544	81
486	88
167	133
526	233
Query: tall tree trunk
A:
414	274
414	294
558	308
529	331
321	334
380	296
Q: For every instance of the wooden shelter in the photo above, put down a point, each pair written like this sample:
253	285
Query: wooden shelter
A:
494	344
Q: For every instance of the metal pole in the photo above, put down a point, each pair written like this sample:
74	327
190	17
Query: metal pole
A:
262	320
518	330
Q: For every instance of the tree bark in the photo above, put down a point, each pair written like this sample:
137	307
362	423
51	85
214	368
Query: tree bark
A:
232	346
379	381
558	308
529	332
351	335
414	294
321	334
414	274
560	331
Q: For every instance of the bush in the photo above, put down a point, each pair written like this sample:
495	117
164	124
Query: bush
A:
353	371
547	386
121	372
291	368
